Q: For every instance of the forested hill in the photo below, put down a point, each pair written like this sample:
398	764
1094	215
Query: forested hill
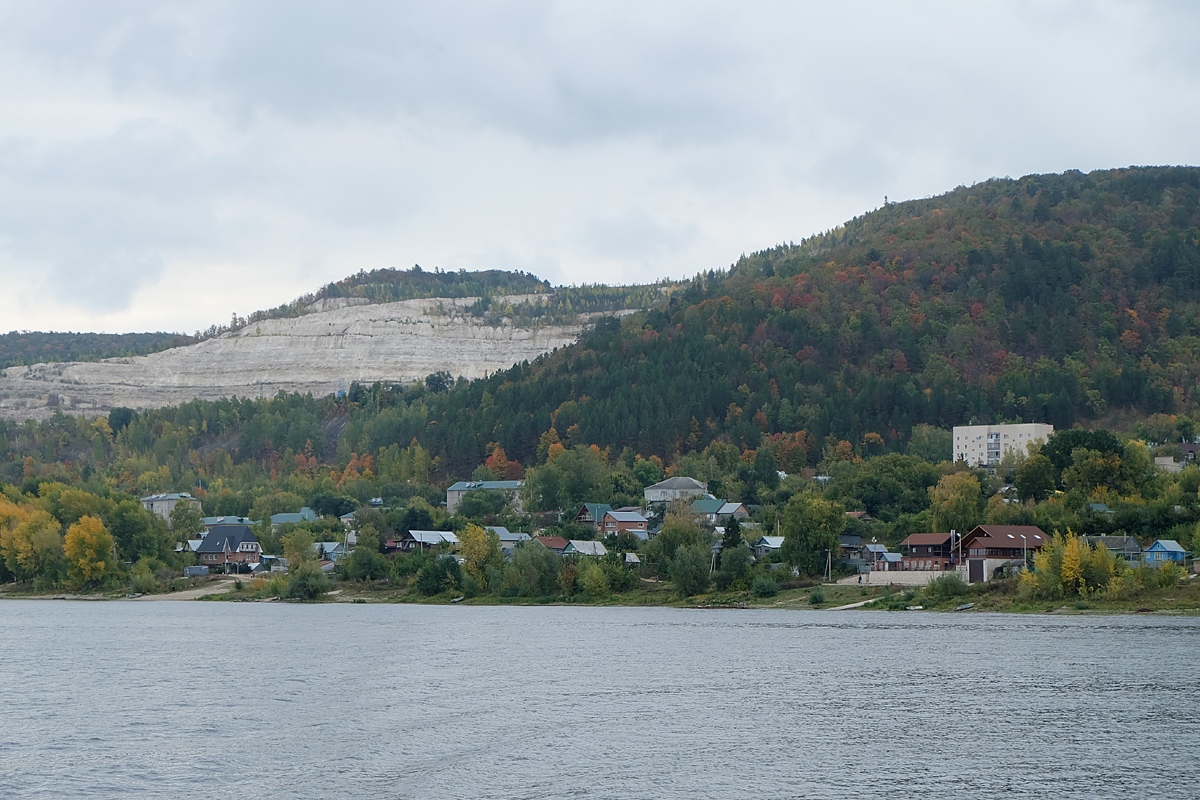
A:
1071	299
1057	298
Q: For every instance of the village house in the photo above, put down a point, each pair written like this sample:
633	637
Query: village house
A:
988	549
164	504
509	541
510	489
229	548
1125	547
673	489
615	522
555	543
329	551
424	540
592	513
1165	550
767	545
305	514
211	522
714	511
928	551
584	548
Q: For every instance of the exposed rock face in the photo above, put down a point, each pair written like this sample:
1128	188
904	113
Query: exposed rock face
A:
320	353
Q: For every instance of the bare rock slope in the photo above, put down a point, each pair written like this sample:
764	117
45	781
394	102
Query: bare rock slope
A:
319	353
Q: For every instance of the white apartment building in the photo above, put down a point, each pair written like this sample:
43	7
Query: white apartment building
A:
985	445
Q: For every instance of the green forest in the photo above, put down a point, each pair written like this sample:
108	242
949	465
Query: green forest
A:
1071	299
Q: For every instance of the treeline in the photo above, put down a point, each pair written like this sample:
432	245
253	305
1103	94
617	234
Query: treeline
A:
21	348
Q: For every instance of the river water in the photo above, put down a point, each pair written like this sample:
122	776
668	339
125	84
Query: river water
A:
221	700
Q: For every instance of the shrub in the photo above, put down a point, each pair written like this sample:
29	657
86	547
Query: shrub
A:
764	586
365	564
1169	575
143	582
307	582
816	597
592	579
439	576
946	587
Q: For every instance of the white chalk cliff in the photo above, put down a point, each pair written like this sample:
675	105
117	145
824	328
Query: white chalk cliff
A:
321	353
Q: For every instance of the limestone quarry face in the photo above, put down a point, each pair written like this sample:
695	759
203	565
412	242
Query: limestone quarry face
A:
320	353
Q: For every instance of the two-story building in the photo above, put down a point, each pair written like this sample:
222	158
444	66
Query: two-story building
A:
672	489
928	551
989	548
615	522
229	548
164	504
510	489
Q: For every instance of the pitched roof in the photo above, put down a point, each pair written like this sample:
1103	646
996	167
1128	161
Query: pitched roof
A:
1170	545
632	558
1117	543
707	505
595	510
168	496
679	483
925	539
996	531
466	486
586	548
1012	535
305	514
226	536
625	516
210	521
891	558
876	548
557	543
505	535
772	542
433	537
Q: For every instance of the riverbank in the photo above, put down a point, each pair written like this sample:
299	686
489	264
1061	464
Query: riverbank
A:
997	597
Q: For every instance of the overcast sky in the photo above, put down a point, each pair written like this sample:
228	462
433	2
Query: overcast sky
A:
163	165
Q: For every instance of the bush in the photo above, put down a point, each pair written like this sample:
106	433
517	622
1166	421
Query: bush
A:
946	587
307	582
143	582
365	564
764	586
440	575
470	586
735	566
816	597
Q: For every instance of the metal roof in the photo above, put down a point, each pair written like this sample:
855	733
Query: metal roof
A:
586	548
433	537
466	486
625	516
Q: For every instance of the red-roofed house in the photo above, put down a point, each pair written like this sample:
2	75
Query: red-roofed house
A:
988	548
555	543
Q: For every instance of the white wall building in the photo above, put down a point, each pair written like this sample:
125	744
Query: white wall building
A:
985	445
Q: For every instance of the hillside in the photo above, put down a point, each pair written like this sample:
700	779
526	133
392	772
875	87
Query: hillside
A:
1054	298
319	353
1059	298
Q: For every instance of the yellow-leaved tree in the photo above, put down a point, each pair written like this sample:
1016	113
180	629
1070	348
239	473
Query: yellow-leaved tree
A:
481	549
30	542
90	551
